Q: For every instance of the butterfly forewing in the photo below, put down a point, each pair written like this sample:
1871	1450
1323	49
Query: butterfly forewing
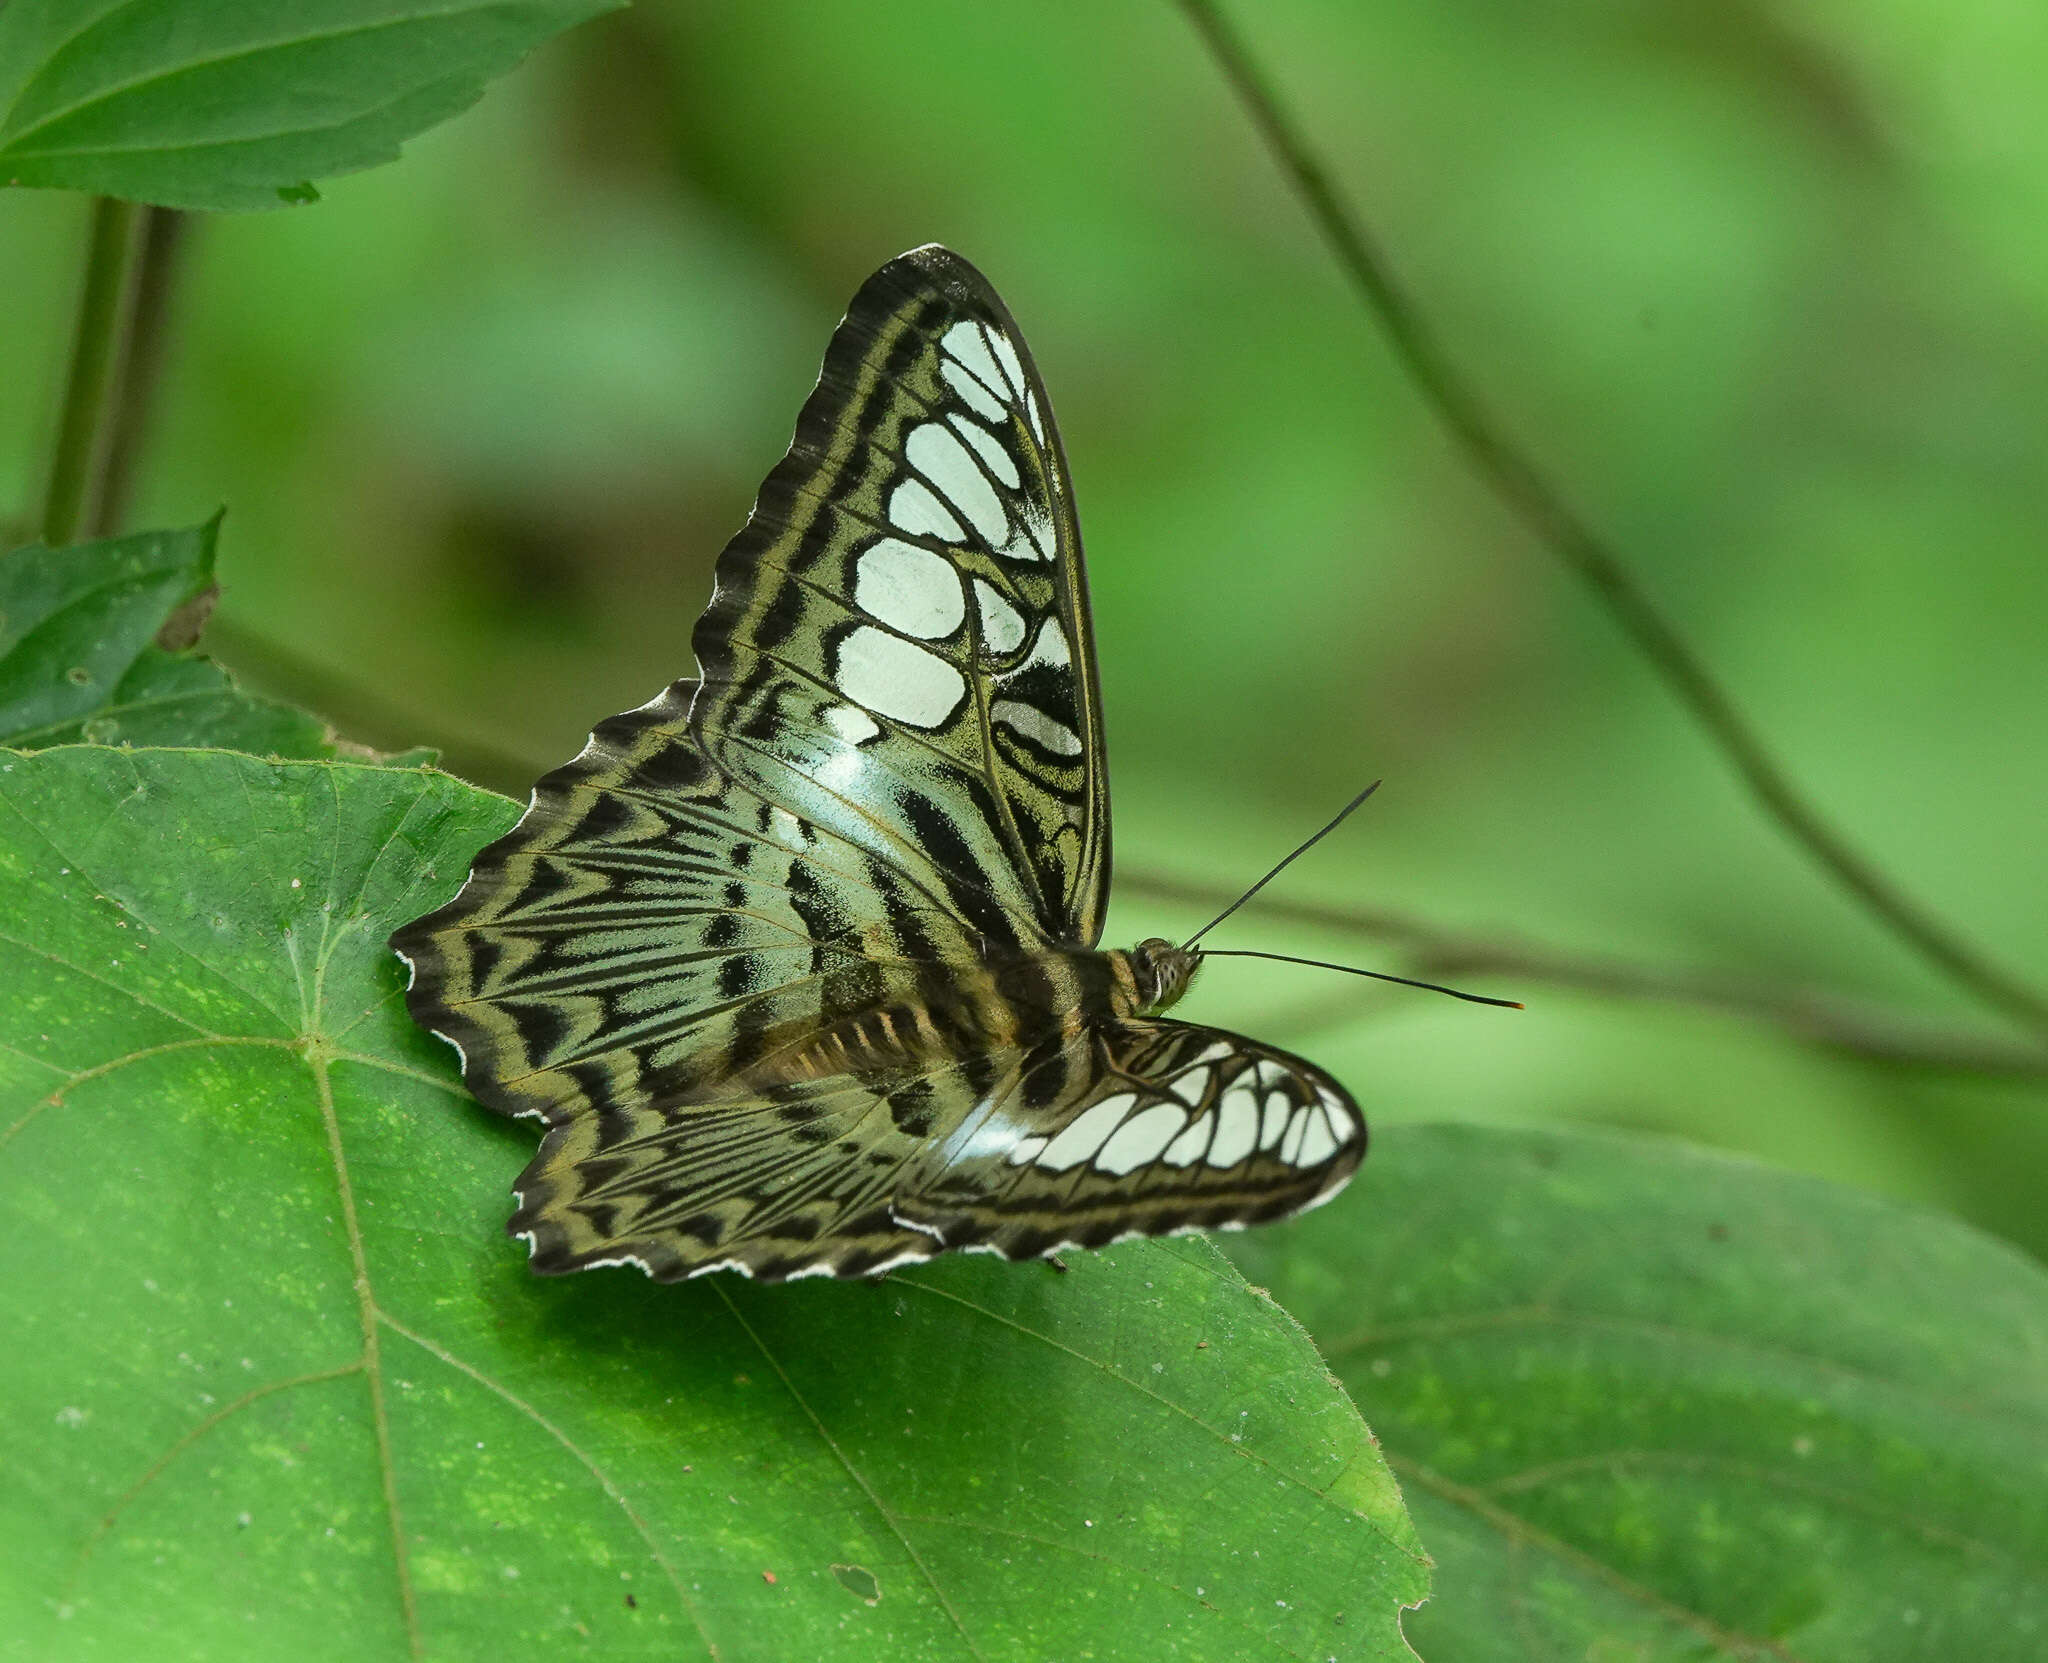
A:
898	649
793	960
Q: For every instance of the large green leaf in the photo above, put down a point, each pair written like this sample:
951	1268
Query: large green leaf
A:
293	1393
1651	1403
237	106
79	660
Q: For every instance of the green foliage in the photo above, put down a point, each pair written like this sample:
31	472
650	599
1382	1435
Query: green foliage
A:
246	1390
1654	1403
79	659
216	106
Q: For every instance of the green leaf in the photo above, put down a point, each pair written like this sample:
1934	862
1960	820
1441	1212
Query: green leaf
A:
79	661
258	1234
240	106
1647	1402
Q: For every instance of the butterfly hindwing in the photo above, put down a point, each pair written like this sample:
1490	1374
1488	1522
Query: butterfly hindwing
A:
1138	1126
1134	1127
797	1178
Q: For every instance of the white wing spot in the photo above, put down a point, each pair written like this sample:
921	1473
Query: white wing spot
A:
1087	1133
853	725
968	342
1050	648
1036	726
1008	355
1141	1138
1237	1129
1290	1145
1031	415
1190	1086
910	589
1343	1123
914	509
898	678
1317	1145
937	453
1002	625
985	445
1033	538
1027	1151
1275	1121
1186	1149
972	393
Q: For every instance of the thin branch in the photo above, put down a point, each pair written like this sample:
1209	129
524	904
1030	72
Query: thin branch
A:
1543	511
160	241
1860	1029
102	318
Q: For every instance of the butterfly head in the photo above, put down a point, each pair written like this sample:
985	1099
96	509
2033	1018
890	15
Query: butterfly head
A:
1162	972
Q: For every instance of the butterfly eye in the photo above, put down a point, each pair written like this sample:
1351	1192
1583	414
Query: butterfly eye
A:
1162	971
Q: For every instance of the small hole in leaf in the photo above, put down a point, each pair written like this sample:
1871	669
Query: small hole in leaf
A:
859	1581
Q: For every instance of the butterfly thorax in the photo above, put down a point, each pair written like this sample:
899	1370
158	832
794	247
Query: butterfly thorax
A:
1069	988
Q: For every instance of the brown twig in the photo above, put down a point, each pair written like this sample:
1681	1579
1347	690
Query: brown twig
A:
1540	508
1857	1028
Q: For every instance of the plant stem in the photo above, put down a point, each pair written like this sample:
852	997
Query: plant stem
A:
1541	508
102	315
160	241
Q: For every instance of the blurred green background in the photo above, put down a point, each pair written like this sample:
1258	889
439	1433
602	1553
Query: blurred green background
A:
1763	286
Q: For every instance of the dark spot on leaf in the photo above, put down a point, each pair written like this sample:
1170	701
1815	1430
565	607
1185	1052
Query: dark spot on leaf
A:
78	675
632	1604
858	1581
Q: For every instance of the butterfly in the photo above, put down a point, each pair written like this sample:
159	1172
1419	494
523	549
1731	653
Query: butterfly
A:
797	962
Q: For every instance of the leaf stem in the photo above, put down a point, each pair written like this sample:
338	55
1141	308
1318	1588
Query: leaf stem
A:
102	316
1531	499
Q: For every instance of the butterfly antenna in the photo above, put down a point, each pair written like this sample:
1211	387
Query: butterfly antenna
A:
1353	970
1341	816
